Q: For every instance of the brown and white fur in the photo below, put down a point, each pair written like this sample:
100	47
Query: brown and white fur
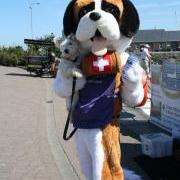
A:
116	22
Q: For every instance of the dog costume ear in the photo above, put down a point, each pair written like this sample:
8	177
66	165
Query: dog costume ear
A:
130	20
68	20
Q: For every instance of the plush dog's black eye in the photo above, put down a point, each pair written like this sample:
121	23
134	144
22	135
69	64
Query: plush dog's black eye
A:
86	9
110	8
70	43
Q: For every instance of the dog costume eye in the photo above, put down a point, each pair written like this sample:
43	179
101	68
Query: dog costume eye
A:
86	9
110	8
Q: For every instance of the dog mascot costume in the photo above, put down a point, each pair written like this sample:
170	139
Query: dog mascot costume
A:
105	29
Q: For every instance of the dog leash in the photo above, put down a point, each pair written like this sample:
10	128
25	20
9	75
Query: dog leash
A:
65	137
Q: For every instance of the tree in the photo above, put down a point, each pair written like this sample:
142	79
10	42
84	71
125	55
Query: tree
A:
16	56
35	49
12	56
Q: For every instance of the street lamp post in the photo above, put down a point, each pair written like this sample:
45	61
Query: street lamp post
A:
31	16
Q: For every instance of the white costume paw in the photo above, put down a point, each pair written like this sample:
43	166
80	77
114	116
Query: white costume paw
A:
77	73
131	74
132	90
63	86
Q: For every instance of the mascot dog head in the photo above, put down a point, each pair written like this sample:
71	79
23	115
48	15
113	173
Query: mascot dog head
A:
116	21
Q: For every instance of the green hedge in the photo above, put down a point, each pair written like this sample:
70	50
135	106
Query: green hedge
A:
12	56
15	56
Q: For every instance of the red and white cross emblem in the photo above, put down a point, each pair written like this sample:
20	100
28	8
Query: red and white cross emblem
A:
101	64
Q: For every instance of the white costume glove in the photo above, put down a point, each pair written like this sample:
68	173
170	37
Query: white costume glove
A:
132	89
63	86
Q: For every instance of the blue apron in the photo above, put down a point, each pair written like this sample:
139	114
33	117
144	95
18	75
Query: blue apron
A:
94	108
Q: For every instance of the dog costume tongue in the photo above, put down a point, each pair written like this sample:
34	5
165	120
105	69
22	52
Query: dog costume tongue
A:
99	46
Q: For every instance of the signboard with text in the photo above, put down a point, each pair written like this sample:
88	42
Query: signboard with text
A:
165	95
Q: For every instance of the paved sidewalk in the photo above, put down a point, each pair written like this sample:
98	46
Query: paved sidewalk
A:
58	116
32	120
146	109
25	153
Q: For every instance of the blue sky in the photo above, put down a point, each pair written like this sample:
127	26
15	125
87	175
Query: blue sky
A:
47	17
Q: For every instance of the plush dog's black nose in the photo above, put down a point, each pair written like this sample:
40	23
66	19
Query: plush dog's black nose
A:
95	16
66	51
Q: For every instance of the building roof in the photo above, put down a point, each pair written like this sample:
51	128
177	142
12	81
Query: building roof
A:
157	35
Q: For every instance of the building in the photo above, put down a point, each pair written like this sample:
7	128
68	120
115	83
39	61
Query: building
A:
158	39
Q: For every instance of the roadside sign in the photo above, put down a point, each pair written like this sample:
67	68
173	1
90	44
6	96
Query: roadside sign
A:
165	95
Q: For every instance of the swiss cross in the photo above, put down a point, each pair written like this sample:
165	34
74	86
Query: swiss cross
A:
101	63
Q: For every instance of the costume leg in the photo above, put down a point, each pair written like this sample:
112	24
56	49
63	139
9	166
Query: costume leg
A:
99	152
112	169
95	147
83	154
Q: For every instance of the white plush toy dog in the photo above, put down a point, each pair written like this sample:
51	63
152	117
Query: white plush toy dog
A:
68	68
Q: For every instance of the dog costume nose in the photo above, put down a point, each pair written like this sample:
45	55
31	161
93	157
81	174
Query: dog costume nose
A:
95	16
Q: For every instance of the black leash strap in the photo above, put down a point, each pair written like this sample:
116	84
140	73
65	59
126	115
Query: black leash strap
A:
65	137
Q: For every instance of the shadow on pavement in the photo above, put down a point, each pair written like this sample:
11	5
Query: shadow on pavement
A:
129	152
134	126
131	128
28	75
126	115
18	74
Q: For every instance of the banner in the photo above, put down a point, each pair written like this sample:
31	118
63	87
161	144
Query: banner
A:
165	95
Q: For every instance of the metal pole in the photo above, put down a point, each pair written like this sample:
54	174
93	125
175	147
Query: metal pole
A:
31	16
31	24
176	20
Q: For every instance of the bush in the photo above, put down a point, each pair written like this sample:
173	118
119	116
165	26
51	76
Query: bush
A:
15	56
12	56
